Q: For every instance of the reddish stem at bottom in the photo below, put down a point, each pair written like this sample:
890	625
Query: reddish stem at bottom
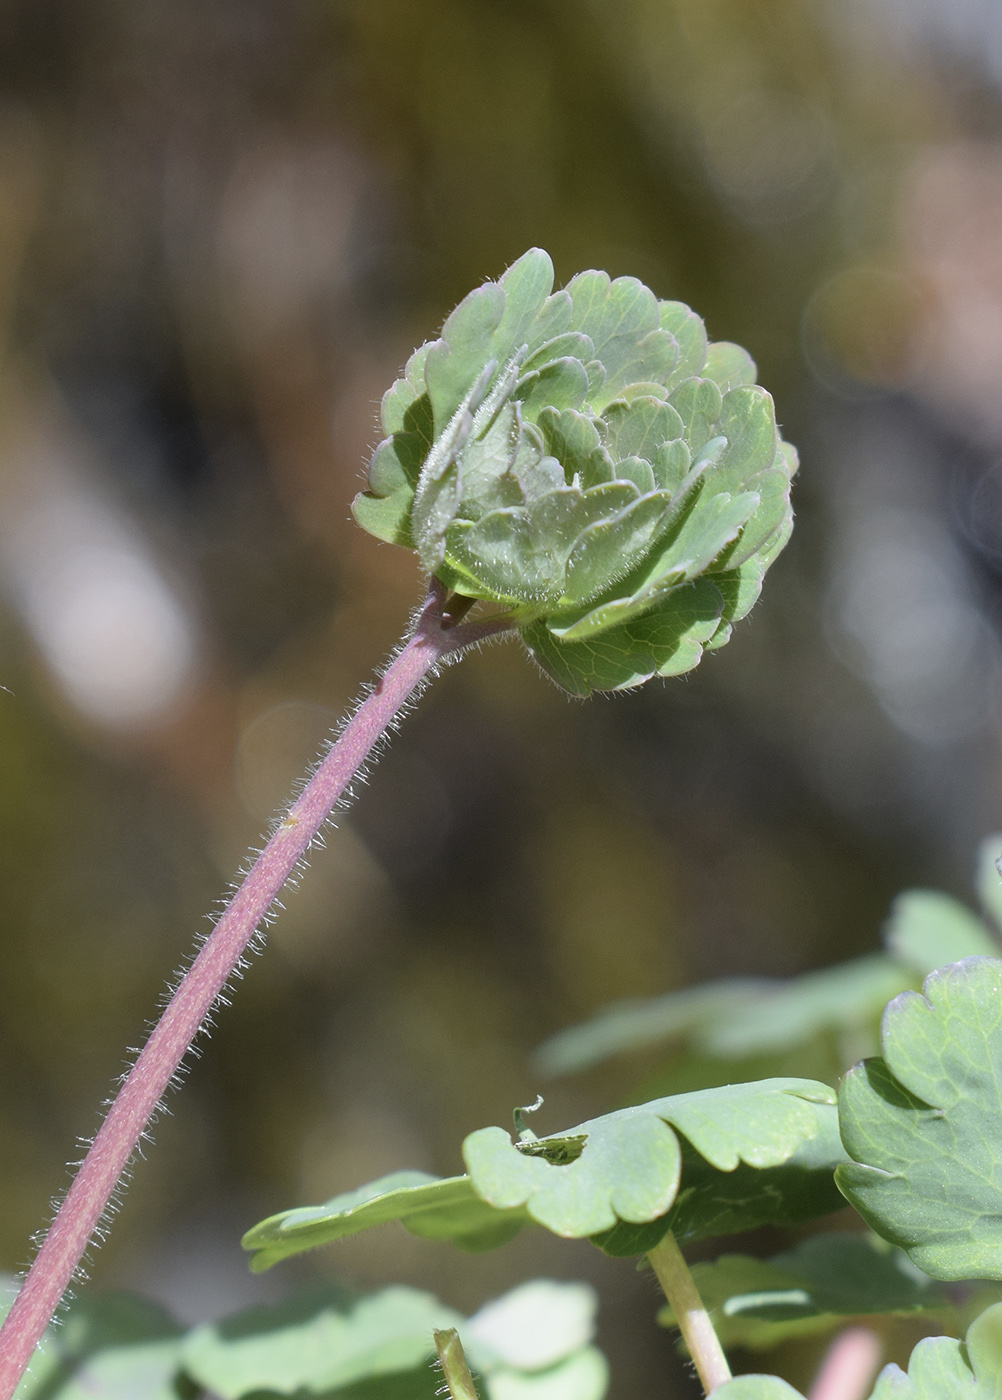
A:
143	1089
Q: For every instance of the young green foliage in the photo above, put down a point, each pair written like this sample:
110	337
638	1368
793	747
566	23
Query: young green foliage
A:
747	1154
813	1288
431	1207
922	1124
734	1020
587	459
534	1343
112	1347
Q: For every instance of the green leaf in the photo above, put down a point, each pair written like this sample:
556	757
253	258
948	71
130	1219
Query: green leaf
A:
428	1206
942	1368
698	403
713	1204
533	1326
809	1290
316	1344
666	641
734	1020
631	1025
583	1376
627	1166
116	1347
534	1343
989	880
756	1388
922	1124
702	535
639	428
927	930
500	509
515	549
690	336
562	384
386	517
729	366
849	996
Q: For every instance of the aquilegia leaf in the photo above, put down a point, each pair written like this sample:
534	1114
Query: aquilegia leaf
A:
701	1164
941	1368
922	1124
587	459
626	1178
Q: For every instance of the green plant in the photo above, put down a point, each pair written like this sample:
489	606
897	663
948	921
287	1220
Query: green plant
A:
615	486
912	1141
534	1343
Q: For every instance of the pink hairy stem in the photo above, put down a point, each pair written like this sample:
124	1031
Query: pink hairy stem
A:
79	1215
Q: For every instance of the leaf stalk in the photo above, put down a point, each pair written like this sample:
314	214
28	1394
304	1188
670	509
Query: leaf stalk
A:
84	1206
694	1322
455	1367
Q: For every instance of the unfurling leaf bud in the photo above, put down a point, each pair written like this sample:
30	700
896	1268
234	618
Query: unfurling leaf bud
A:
587	459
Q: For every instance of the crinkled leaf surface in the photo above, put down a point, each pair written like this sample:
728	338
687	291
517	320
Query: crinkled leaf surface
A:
922	1124
666	641
432	1207
612	1174
941	1368
583	456
810	1289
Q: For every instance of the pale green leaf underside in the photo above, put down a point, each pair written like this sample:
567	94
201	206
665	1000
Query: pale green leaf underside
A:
428	1206
580	456
922	1124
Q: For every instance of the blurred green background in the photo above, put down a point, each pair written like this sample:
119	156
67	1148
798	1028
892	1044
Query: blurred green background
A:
223	226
